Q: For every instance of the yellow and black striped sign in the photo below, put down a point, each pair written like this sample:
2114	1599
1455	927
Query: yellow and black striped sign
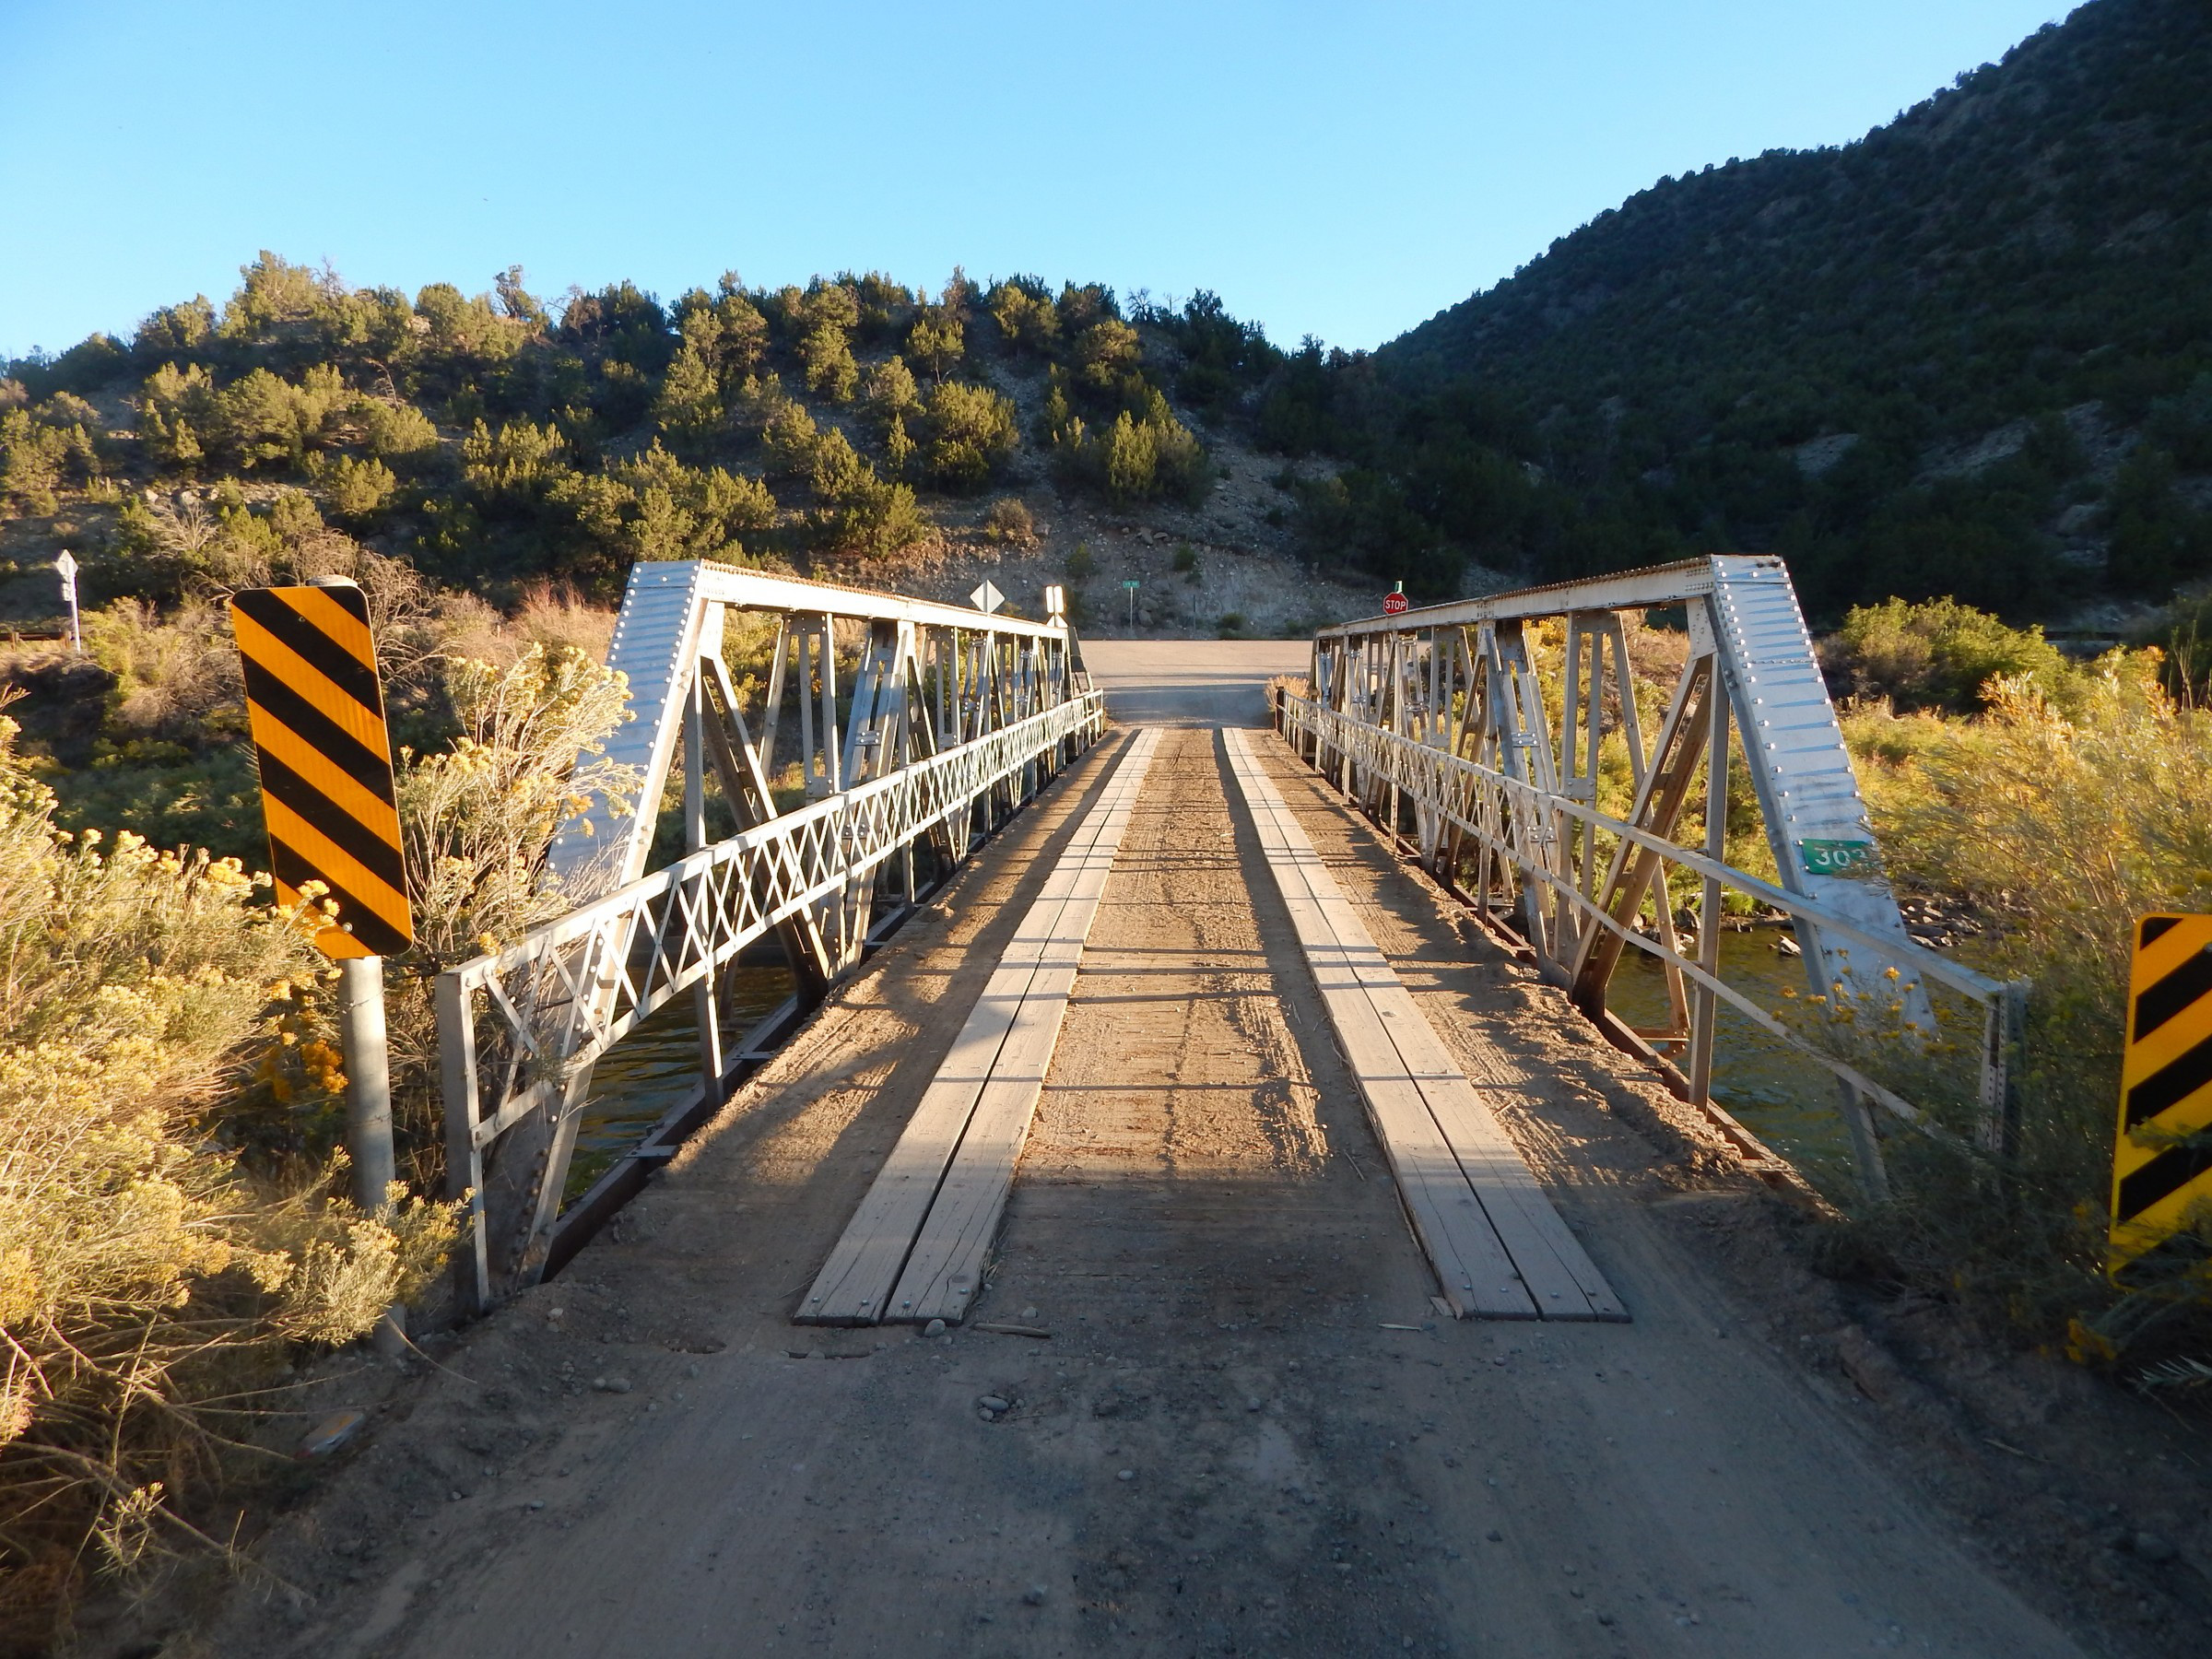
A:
2162	1160
318	715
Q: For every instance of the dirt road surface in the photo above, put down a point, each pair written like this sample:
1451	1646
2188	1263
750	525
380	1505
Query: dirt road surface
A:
1191	682
1249	1431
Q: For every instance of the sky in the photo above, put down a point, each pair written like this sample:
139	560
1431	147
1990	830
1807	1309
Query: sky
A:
1342	169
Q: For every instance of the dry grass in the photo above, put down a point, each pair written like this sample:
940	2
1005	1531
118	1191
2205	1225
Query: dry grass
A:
2061	829
150	1284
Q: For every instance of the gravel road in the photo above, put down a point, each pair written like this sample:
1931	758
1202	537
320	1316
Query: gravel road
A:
1191	682
1248	1432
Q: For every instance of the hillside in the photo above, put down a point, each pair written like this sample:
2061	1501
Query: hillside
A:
1969	353
500	452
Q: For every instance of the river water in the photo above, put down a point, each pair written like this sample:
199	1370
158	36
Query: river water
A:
1789	1101
654	1067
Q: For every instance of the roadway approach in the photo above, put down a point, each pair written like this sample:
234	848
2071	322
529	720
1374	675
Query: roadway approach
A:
1205	1399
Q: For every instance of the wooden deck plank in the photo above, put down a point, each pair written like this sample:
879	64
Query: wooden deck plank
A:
1035	974
1473	1268
864	1264
1392	1048
1560	1275
945	1269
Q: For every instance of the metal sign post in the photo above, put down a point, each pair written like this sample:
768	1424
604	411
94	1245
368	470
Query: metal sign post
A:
1130	588
316	707
66	565
361	1036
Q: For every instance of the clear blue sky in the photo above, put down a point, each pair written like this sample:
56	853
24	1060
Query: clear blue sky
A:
1344	169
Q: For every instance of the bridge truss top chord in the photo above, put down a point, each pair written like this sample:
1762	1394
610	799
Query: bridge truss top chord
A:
915	728
1483	727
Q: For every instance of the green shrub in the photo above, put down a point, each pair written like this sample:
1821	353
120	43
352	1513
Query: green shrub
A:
1028	320
1106	355
1009	520
2062	828
827	356
1940	654
35	457
890	391
397	430
688	405
935	342
968	433
357	490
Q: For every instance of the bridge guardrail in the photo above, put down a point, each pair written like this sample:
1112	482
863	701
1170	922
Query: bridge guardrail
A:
558	998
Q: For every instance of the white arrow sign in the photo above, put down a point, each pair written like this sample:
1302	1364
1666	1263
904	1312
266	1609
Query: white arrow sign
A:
66	565
986	598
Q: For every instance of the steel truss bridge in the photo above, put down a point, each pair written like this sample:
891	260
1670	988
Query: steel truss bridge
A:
916	729
1439	725
1500	739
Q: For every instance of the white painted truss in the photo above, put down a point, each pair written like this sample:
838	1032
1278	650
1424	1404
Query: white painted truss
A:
1438	720
949	719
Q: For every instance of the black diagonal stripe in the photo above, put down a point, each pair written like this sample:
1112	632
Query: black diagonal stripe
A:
2160	1002
371	770
2155	928
2162	1177
377	936
2173	1082
315	647
2172	1256
371	851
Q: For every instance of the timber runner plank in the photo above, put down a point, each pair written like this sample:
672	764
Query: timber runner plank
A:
1477	1275
945	1271
1393	1049
974	1116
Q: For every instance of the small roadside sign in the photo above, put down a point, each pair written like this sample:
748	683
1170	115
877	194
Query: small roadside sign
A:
1056	602
1845	858
1394	602
1129	587
2163	1155
67	566
986	598
316	707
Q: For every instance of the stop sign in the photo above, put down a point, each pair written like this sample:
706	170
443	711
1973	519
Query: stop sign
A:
1392	604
